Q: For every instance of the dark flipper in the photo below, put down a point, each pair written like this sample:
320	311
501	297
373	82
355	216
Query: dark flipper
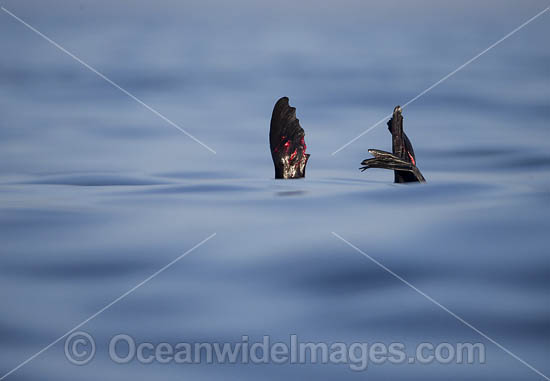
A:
286	140
403	160
401	146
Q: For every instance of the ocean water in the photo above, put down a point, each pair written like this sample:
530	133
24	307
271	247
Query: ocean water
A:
98	193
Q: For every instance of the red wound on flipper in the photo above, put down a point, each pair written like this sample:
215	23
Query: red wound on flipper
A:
293	154
287	146
412	158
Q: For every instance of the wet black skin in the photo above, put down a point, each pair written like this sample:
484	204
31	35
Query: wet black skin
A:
403	160
286	140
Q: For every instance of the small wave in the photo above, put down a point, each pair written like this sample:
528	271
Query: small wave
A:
95	180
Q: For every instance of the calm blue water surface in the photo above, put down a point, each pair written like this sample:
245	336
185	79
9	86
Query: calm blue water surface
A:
98	193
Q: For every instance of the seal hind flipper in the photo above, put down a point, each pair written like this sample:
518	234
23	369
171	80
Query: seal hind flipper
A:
403	160
286	141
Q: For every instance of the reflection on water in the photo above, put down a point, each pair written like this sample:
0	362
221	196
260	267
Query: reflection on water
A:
291	193
98	193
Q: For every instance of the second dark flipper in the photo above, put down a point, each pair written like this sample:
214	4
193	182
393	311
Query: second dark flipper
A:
401	146
402	161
